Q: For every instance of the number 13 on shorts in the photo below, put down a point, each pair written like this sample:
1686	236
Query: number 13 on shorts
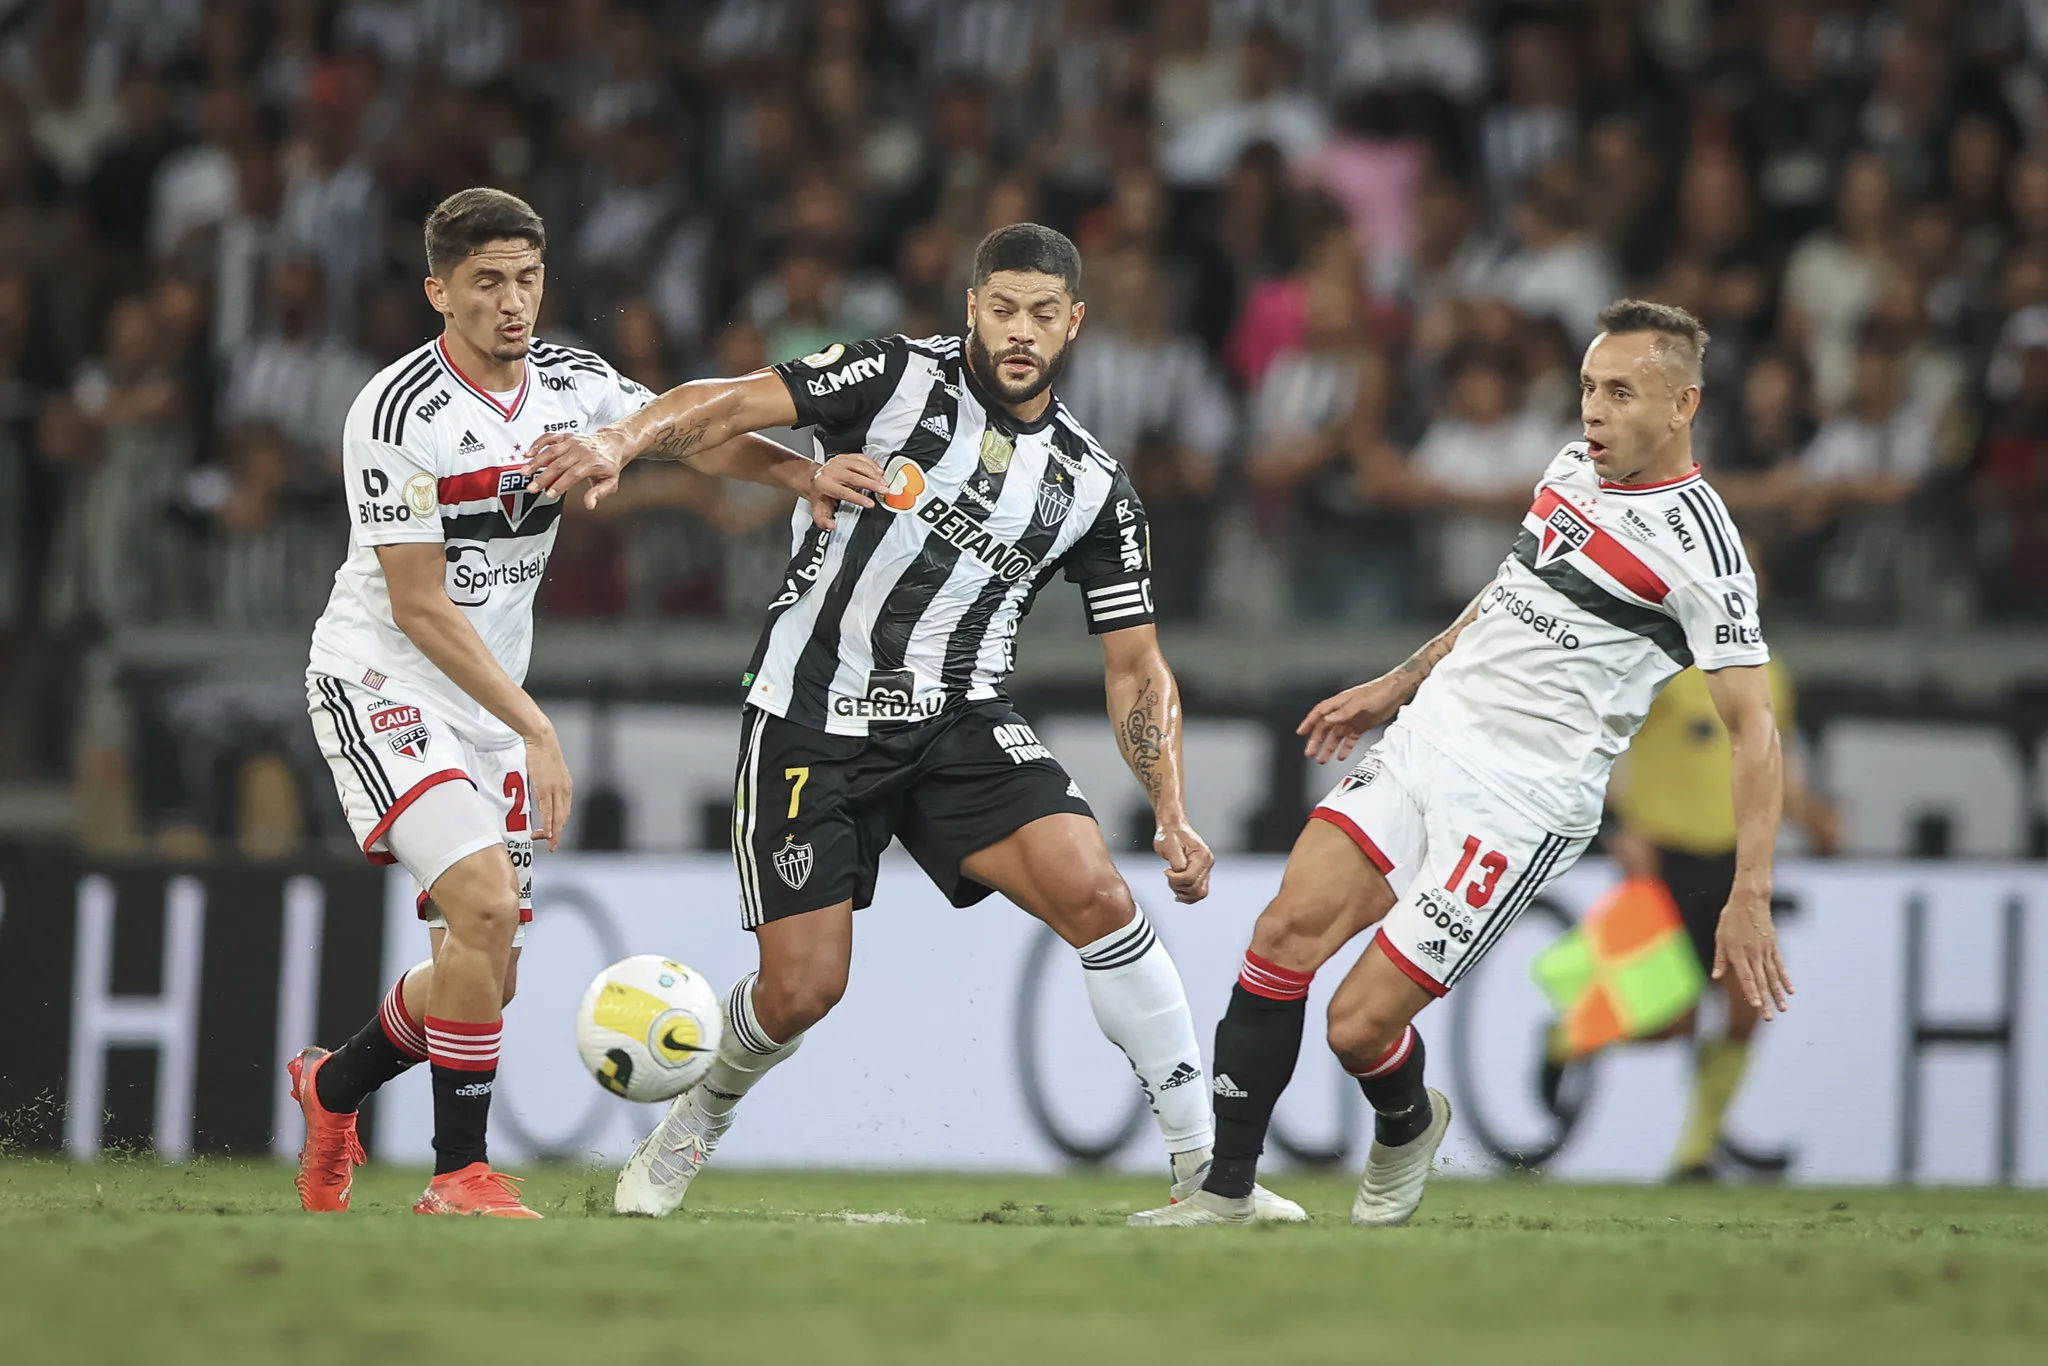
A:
1492	864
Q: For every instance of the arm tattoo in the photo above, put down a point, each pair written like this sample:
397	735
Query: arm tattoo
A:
1143	739
1419	664
679	442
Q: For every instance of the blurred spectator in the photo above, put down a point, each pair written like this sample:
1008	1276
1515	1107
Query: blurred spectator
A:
1474	468
1156	404
1317	462
1796	126
1556	269
1271	108
2010	488
1537	122
196	187
1836	274
1374	172
296	376
1419	44
1191	75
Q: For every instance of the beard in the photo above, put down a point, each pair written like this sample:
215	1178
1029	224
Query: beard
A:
988	373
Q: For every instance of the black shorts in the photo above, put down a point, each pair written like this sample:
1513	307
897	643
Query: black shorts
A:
812	812
1700	884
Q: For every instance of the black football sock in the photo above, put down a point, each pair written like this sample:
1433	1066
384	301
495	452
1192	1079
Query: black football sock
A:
1393	1087
464	1057
1257	1042
380	1050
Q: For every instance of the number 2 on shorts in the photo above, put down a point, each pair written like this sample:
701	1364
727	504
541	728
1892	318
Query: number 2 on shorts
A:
798	777
1478	892
515	791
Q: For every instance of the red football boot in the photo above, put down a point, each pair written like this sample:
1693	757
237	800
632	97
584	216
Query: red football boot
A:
476	1189
331	1152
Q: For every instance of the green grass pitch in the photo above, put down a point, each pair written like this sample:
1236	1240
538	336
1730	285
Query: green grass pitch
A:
132	1262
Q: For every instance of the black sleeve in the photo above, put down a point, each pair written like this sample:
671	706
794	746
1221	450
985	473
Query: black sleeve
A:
840	389
1113	563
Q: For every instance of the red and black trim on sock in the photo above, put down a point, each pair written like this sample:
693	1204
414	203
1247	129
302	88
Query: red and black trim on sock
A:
1393	1087
382	1049
464	1057
1257	1042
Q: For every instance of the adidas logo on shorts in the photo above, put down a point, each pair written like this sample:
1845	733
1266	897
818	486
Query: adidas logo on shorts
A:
1224	1086
1434	948
1182	1075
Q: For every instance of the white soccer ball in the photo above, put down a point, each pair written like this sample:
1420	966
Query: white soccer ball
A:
648	1027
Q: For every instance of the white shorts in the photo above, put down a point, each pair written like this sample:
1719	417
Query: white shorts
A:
1463	863
387	752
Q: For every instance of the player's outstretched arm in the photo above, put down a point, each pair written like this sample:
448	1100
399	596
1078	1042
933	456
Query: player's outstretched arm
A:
687	420
1144	707
848	478
1334	724
415	572
1746	942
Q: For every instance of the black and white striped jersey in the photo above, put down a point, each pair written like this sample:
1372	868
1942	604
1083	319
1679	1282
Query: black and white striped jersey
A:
912	606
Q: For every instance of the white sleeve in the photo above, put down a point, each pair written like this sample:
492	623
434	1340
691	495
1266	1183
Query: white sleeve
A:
394	493
618	397
1720	621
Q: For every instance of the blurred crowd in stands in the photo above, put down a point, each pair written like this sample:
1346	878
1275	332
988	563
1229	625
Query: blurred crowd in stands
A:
1342	257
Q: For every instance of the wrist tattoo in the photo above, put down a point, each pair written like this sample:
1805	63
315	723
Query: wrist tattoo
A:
678	441
1143	738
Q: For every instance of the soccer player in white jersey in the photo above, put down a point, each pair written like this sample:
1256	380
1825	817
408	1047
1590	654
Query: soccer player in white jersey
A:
1490	782
442	761
875	707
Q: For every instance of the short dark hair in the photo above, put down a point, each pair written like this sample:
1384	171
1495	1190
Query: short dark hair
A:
1029	247
1681	338
470	219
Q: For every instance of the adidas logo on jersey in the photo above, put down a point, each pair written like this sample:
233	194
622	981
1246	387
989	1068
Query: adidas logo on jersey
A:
1225	1087
470	445
937	425
1181	1076
1433	948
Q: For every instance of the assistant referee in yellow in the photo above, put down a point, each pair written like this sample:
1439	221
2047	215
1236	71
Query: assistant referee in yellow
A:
1671	792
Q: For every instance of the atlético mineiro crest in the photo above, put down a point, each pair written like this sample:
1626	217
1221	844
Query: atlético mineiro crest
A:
1563	532
1054	503
514	496
793	863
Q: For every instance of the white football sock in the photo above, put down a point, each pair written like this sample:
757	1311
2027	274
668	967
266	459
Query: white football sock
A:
745	1053
1140	1005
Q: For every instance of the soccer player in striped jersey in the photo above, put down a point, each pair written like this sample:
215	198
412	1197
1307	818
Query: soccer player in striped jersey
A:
1491	781
442	761
875	705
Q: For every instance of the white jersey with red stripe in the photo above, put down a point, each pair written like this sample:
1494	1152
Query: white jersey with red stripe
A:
1610	591
428	456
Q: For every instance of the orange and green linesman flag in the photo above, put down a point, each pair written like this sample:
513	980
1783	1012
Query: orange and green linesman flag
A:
1626	971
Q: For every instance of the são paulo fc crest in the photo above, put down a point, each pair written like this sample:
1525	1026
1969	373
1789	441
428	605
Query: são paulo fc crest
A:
411	743
1563	532
514	496
793	864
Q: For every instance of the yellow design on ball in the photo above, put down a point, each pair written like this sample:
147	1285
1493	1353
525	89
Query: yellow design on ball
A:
628	1010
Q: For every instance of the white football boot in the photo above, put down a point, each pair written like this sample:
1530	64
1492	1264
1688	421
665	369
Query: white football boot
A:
1199	1207
658	1174
1391	1189
1261	1206
1266	1206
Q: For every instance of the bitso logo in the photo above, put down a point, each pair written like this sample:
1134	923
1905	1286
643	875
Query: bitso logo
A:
793	863
376	483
